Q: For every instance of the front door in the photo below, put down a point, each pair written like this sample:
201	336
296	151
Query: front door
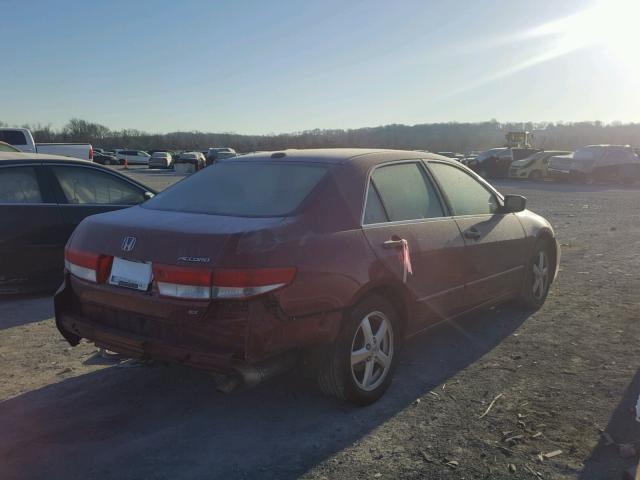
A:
403	205
495	242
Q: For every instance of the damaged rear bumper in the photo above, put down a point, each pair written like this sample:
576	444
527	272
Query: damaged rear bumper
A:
254	342
140	347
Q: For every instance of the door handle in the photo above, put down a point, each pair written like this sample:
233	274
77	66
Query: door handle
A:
473	233
392	243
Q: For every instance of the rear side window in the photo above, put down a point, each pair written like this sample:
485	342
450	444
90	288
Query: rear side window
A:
82	185
243	189
13	137
19	185
466	195
373	210
406	193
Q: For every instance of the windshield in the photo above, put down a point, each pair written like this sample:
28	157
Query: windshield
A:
244	189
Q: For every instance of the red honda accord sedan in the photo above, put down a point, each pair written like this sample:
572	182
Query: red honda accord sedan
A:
332	256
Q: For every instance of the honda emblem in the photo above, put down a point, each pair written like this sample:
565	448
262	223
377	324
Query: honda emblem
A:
128	243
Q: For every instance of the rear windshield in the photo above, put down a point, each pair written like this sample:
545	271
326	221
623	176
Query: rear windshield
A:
242	189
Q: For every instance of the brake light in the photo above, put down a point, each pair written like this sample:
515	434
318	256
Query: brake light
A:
89	266
183	282
90	152
236	284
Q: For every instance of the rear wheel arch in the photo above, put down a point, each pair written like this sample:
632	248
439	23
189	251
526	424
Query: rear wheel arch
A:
393	294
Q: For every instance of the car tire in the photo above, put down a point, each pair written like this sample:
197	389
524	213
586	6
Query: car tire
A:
374	351
539	275
535	176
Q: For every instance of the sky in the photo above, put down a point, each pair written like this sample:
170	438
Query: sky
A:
259	67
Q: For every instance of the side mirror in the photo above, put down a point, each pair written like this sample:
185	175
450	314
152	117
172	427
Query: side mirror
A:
148	196
514	203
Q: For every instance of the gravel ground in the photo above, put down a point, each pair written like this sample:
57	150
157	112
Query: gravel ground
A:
555	381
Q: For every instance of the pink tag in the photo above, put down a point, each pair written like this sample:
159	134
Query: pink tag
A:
406	261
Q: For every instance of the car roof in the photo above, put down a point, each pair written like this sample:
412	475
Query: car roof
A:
342	155
606	146
21	157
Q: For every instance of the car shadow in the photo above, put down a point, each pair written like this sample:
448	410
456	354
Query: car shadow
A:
605	460
170	422
40	307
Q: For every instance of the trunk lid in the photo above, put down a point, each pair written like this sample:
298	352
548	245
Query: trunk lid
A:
173	238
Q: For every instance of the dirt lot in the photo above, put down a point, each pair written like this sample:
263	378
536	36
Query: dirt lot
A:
559	377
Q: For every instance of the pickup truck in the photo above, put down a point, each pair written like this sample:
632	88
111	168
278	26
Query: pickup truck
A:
22	139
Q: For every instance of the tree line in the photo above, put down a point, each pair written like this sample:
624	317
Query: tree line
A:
435	137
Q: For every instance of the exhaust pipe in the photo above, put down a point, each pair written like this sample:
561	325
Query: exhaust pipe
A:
251	375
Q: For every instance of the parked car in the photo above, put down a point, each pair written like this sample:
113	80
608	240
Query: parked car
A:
189	162
5	147
161	160
219	153
597	163
22	139
534	167
133	157
337	254
495	163
104	158
456	156
42	199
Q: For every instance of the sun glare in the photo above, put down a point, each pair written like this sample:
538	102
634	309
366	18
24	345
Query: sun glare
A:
609	23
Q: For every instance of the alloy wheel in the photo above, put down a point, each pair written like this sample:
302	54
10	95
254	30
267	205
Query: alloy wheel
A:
372	351
540	275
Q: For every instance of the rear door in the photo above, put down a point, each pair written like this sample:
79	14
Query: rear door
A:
83	190
495	242
31	230
402	203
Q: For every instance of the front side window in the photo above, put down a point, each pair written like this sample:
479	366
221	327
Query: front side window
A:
19	185
244	189
81	185
466	195
406	192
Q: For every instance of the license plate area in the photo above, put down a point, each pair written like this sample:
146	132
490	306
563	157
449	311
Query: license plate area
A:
128	274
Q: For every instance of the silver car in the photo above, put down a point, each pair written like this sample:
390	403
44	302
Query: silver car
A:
161	160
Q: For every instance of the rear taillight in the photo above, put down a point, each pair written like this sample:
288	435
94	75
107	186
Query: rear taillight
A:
183	282
88	266
90	153
236	284
201	283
